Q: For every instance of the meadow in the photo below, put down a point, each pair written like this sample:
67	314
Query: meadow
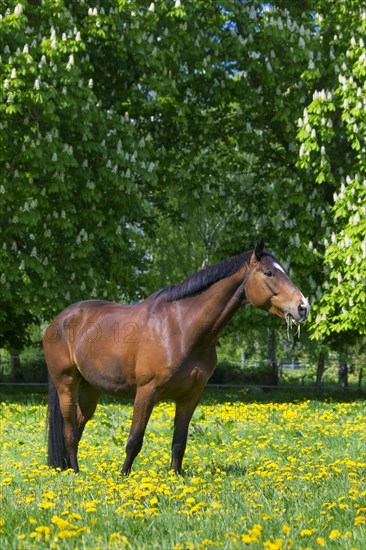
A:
259	474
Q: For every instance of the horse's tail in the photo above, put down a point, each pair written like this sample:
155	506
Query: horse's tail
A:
57	453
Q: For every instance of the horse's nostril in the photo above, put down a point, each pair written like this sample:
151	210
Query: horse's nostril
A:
303	310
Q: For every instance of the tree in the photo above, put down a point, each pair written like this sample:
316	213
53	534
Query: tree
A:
129	126
332	135
229	135
76	181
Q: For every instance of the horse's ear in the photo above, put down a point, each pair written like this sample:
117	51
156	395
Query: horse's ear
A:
259	247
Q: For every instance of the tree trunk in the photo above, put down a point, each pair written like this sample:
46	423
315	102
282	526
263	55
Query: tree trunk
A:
16	366
271	355
320	369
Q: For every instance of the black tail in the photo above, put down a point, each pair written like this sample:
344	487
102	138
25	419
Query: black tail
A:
57	453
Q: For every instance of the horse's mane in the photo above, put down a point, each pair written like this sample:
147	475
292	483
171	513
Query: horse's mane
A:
205	278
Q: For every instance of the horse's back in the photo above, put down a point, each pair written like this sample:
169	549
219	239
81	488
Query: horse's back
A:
80	319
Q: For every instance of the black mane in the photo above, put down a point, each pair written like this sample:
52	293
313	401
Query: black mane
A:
205	278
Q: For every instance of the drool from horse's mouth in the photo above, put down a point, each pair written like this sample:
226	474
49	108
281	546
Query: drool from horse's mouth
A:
290	321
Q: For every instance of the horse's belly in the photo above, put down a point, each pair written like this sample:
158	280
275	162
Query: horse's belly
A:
112	377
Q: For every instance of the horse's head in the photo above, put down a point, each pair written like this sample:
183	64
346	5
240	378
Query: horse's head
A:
269	287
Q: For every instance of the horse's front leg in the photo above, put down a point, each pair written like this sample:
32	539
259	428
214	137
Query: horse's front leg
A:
143	406
183	414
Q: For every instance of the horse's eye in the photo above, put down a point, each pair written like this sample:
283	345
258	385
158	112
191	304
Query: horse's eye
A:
268	273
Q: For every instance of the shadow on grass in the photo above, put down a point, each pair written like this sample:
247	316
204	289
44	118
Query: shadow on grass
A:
255	394
233	469
37	395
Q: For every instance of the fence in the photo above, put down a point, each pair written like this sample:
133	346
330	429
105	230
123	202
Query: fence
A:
21	369
31	369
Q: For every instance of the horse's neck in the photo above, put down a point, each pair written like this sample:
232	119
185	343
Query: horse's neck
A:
213	308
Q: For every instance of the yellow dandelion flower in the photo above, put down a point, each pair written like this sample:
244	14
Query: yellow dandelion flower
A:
49	494
43	530
61	523
74	516
320	541
273	545
6	481
335	534
118	540
307	532
256	530
329	505
45	505
215	504
207	542
66	534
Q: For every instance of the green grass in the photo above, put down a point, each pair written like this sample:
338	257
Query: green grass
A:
271	474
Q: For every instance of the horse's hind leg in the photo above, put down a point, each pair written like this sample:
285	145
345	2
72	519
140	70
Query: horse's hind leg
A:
67	388
87	403
72	402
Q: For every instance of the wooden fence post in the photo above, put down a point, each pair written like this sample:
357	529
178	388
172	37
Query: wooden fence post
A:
343	374
360	378
320	370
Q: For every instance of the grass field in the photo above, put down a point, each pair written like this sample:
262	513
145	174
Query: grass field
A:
269	475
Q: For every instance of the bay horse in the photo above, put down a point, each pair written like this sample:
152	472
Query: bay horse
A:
163	348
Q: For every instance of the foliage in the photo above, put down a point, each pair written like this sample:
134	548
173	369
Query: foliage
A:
142	140
235	175
332	134
227	373
76	180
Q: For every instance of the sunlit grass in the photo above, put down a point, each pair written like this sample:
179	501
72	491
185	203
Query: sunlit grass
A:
258	475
